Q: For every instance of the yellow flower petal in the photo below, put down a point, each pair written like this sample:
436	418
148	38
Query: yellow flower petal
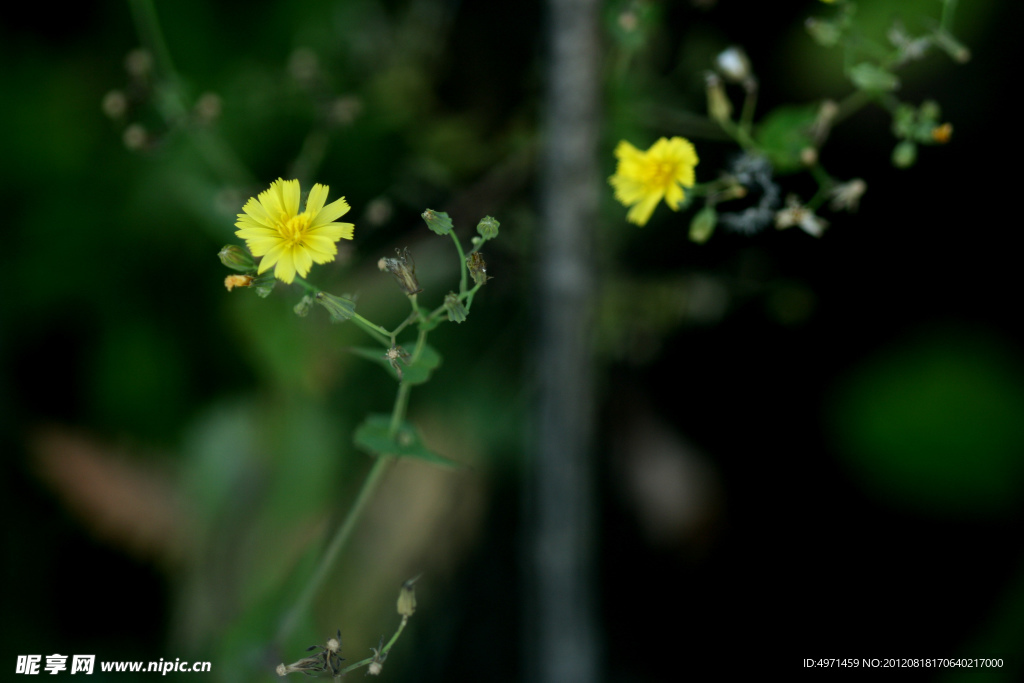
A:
644	178
289	241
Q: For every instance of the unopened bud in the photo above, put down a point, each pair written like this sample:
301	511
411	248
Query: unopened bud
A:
438	221
952	46
407	598
942	134
403	268
341	309
135	137
207	108
374	669
733	64
488	228
904	155
138	62
264	285
456	311
236	258
719	107
477	268
232	281
115	104
703	224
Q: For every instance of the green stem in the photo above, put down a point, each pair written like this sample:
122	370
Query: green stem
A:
462	262
151	35
172	104
398	411
374	330
341	536
383	651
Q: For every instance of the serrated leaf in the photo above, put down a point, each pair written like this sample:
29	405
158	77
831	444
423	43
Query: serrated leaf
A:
414	373
784	133
373	435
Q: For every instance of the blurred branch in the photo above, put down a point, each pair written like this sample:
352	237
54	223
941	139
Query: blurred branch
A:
561	625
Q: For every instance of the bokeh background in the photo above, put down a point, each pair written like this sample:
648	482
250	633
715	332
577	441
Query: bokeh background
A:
805	448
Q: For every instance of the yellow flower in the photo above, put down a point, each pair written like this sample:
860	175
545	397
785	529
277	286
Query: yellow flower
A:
642	179
290	241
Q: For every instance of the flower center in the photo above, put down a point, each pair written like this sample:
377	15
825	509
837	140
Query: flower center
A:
293	230
660	173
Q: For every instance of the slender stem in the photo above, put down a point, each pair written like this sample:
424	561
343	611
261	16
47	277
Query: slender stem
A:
172	103
383	651
462	262
398	411
374	330
148	26
341	536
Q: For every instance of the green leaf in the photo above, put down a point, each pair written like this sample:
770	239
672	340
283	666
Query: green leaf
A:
373	435
784	133
868	76
414	373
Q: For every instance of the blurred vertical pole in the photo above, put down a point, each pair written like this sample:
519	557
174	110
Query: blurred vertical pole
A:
560	623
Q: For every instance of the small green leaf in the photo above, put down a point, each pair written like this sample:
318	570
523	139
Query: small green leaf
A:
868	76
416	372
374	436
784	133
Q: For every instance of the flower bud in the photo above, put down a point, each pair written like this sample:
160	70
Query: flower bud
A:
407	598
456	311
904	155
703	224
488	227
341	309
942	134
477	268
719	107
232	281
264	285
438	221
236	258
115	104
403	268
733	64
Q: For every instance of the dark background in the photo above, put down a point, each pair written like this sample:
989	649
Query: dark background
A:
847	418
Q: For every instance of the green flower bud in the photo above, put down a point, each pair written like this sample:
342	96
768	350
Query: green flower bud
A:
340	309
456	311
719	107
236	258
488	228
703	224
407	598
904	155
264	285
438	221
